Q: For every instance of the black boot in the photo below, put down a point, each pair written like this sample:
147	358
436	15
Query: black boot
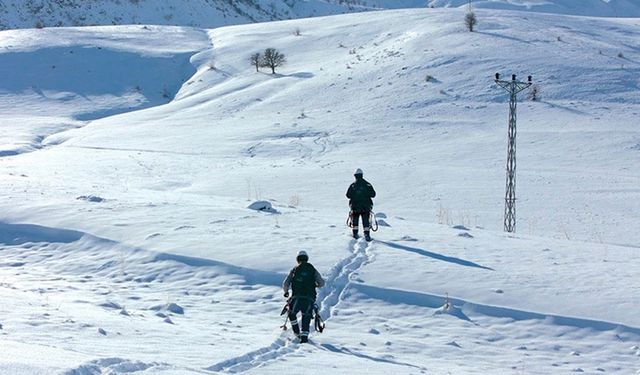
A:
367	236
355	234
304	337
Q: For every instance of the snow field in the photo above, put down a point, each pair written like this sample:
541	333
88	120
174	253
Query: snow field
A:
206	14
111	288
115	226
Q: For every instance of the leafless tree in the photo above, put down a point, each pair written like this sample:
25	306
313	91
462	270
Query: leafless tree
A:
470	20
256	60
272	58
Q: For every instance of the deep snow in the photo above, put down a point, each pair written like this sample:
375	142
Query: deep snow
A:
20	14
598	8
111	226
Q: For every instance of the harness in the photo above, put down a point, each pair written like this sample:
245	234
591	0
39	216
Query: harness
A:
289	306
373	220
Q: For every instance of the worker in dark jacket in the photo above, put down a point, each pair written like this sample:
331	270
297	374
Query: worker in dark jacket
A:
303	280
360	193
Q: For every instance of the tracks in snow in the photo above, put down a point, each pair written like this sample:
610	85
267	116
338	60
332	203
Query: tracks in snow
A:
280	347
338	280
113	366
339	277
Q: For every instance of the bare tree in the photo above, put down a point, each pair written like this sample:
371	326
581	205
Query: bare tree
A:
470	20
272	58
256	60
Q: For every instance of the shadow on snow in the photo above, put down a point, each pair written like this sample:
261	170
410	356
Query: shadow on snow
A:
20	234
436	256
396	296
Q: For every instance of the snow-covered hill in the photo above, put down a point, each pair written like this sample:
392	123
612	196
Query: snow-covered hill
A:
201	13
127	244
594	8
215	13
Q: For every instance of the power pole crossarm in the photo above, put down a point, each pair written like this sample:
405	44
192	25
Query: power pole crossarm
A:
513	87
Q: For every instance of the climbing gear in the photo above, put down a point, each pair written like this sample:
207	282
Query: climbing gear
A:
318	322
285	312
350	219
317	319
284	325
373	221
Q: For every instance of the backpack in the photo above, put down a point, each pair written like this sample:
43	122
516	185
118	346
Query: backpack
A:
360	191
303	281
361	196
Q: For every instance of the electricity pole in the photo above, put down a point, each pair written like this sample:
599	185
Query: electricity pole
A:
513	87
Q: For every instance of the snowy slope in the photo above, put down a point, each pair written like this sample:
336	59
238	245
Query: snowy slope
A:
63	78
215	13
202	13
565	138
127	244
594	8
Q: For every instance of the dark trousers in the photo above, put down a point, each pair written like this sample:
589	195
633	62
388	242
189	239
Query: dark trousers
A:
355	217
305	306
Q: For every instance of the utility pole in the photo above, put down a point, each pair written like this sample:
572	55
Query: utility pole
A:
513	87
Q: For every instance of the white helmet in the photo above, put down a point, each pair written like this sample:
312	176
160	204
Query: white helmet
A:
302	256
358	171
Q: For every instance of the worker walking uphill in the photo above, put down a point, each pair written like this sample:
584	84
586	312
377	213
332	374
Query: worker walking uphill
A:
303	280
360	193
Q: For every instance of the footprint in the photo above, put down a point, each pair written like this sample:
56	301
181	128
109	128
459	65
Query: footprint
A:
184	227
153	236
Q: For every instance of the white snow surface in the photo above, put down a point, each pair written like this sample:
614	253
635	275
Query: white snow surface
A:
15	14
597	8
201	13
137	163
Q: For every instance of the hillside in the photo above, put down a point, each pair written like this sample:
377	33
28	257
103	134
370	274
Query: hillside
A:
383	75
132	154
593	8
215	13
197	13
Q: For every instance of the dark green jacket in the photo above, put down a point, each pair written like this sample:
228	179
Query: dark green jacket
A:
360	194
301	272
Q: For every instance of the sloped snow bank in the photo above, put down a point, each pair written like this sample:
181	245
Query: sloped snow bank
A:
71	76
595	8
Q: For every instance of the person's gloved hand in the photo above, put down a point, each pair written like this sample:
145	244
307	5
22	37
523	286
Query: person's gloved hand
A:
286	294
